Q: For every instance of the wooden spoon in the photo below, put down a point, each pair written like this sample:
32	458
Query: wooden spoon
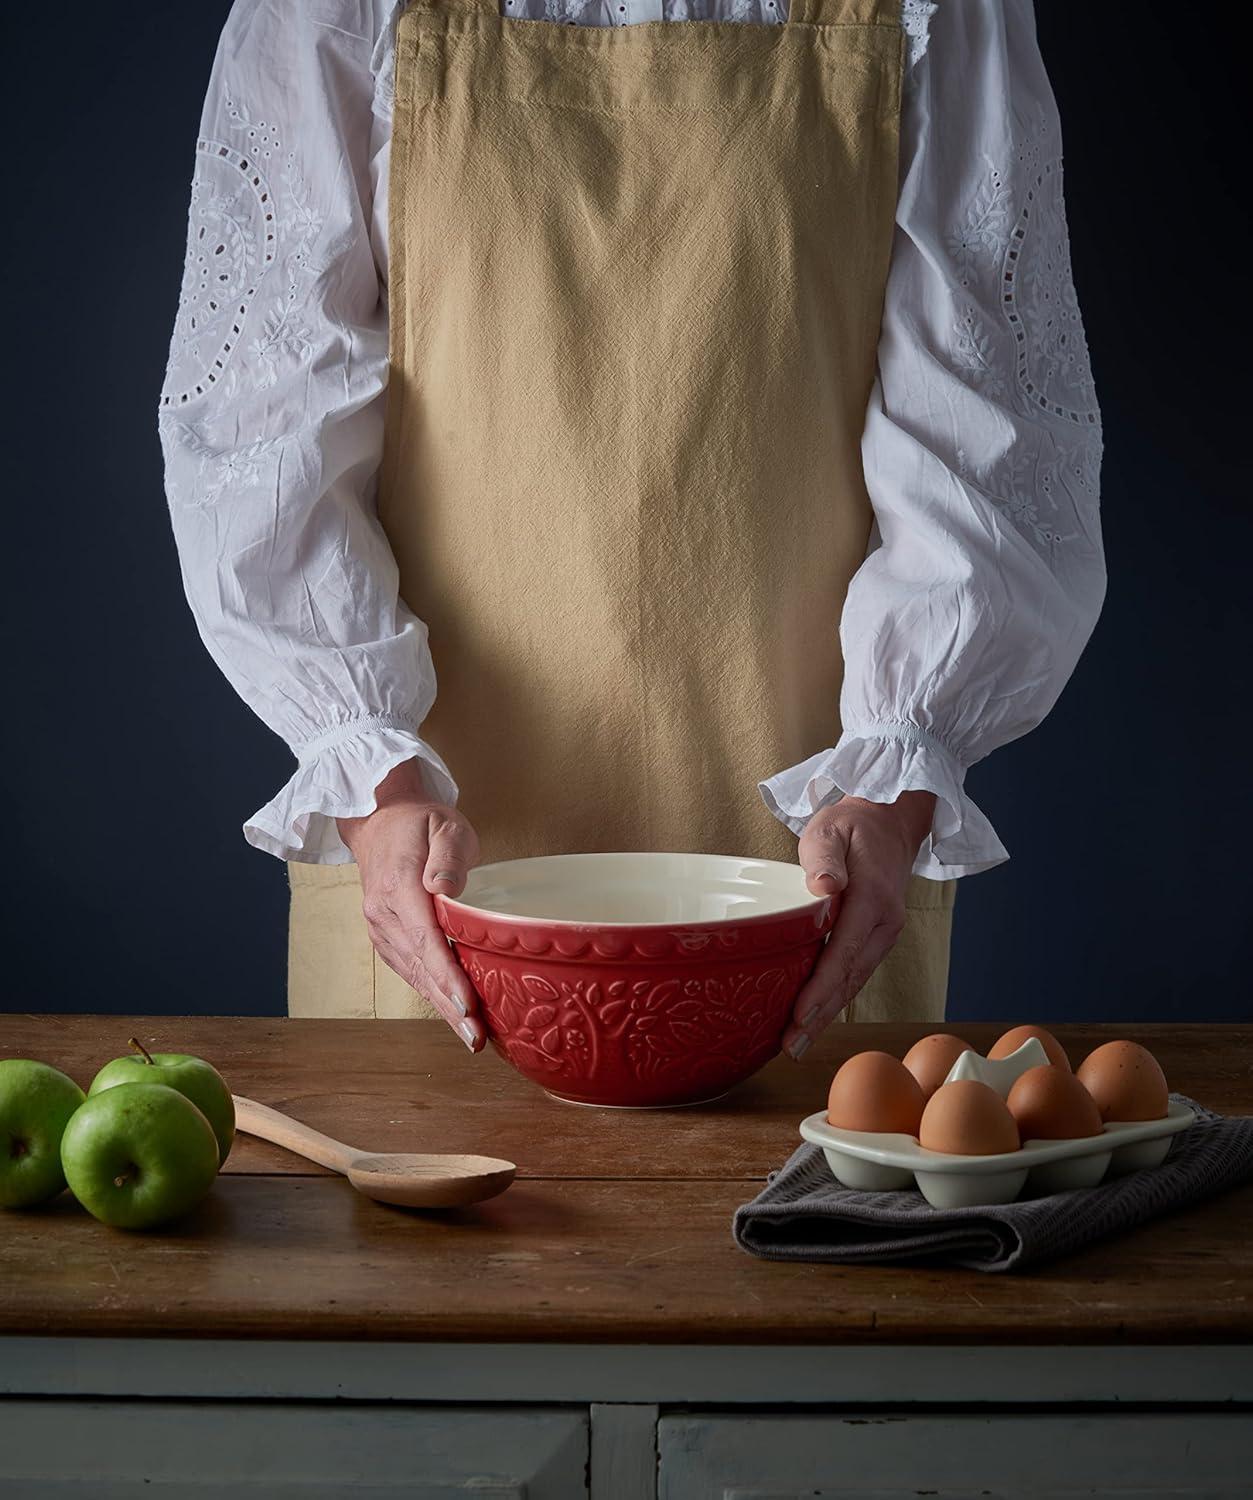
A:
393	1177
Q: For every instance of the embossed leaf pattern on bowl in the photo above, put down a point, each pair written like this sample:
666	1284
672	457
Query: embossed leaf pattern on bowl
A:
709	1027
537	1025
671	1031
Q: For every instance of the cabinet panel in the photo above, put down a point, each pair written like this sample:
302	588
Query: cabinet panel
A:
114	1450
1133	1457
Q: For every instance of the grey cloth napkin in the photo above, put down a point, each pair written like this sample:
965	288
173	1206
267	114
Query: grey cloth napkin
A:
803	1213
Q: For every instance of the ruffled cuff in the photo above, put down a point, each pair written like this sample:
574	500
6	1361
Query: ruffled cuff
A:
878	763
336	775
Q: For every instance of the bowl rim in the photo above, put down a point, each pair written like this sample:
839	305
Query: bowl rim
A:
514	918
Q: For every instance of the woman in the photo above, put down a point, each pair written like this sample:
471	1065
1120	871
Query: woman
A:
705	394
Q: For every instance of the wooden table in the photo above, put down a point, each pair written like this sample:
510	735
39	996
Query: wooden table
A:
599	1294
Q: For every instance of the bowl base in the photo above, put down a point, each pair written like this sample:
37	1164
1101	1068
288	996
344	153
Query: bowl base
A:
595	1104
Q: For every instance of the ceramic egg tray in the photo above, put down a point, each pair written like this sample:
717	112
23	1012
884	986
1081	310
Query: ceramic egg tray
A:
875	1161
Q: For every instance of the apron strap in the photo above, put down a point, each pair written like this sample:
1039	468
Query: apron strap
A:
844	12
800	12
458	7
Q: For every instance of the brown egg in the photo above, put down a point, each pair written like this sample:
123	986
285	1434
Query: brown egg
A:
875	1091
931	1059
1050	1104
968	1118
1014	1039
1126	1081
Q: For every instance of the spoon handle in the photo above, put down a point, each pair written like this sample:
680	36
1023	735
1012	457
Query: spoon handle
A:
270	1125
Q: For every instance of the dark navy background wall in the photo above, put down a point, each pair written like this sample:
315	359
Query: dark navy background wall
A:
130	764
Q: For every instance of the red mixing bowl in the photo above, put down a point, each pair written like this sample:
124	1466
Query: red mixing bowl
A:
639	979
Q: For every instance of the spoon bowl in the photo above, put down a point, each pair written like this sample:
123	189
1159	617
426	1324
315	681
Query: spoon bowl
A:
416	1181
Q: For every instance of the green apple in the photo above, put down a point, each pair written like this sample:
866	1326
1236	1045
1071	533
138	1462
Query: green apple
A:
202	1084
35	1103
138	1154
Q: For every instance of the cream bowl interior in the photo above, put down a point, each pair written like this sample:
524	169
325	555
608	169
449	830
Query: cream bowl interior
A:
636	889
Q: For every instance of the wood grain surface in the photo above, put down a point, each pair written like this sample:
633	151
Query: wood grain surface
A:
617	1230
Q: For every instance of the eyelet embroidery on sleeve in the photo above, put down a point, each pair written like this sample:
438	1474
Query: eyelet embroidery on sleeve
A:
1052	366
218	469
975	246
1018	340
916	24
242	231
230	246
252	254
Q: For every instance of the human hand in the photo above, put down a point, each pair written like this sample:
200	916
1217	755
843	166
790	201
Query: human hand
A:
409	848
867	851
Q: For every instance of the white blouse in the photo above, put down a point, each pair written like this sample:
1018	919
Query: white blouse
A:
982	446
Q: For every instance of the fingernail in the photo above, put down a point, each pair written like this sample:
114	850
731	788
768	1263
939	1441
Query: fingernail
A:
467	1034
445	875
798	1046
438	997
807	1015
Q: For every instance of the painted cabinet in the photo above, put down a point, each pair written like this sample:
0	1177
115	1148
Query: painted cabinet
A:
1133	1457
112	1450
326	1450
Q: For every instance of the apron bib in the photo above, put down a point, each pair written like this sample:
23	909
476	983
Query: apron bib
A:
636	282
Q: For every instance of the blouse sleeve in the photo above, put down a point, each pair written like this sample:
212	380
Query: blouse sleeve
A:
271	416
982	448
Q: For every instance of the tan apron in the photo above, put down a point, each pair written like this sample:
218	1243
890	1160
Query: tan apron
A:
636	283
